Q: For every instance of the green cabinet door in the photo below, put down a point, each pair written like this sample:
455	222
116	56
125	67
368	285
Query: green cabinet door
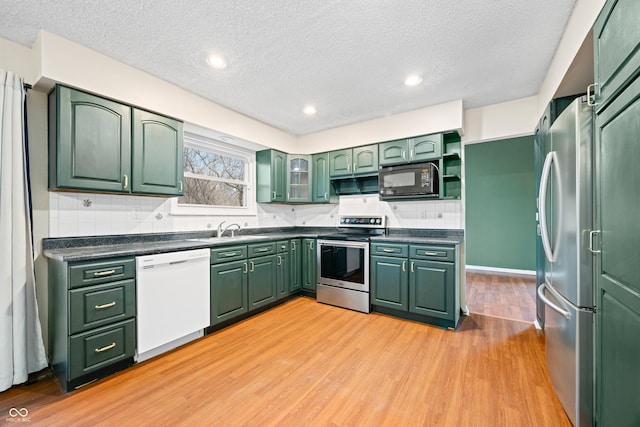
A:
427	147
283	275
431	285
393	152
309	264
365	159
321	187
299	178
89	142
262	281
389	282
616	35
228	291
340	163
271	176
296	265
617	180
157	154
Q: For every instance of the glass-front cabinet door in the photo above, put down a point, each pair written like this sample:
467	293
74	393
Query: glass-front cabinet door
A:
298	178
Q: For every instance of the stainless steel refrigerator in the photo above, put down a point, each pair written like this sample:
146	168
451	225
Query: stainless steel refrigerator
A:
565	208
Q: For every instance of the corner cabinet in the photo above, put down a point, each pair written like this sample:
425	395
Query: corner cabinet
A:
271	176
91	147
418	282
92	309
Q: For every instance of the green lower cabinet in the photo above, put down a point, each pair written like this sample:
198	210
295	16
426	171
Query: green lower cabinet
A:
389	278
309	265
431	288
283	275
229	283
296	265
262	281
419	282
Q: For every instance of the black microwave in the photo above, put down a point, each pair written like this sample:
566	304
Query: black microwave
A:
416	180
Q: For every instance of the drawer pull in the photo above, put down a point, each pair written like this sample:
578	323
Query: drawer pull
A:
431	253
229	253
103	306
108	347
104	273
388	250
262	249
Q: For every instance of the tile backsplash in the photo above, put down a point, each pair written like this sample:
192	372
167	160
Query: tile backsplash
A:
85	214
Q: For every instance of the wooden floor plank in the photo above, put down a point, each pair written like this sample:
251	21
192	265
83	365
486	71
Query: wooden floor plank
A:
501	295
305	363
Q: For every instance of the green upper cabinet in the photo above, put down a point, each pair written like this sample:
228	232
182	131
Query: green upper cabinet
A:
353	161
616	35
410	150
321	187
299	178
91	146
271	176
157	162
89	142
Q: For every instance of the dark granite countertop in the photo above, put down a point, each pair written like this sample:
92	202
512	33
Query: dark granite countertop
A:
96	247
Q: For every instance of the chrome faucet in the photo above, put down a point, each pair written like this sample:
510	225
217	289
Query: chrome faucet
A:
222	230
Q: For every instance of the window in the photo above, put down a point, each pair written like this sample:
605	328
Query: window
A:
217	178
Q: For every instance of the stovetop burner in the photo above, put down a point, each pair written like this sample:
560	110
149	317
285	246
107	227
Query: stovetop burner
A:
358	228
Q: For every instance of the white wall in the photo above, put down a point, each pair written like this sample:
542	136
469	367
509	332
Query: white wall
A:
499	121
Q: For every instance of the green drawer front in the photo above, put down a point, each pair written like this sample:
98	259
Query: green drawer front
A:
440	253
283	246
262	249
98	348
389	249
94	273
99	305
230	253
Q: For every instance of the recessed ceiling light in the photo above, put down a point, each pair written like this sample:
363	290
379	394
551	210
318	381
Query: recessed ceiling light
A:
216	61
413	80
309	110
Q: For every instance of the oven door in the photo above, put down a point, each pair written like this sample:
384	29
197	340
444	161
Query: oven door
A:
344	264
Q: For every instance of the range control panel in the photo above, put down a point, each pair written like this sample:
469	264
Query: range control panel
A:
378	221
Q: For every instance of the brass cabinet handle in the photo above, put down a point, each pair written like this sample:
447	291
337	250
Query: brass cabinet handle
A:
355	167
126	181
404	154
103	306
279	260
387	250
288	196
180	183
311	244
261	249
253	267
412	267
411	154
326	196
273	197
109	347
228	253
293	245
431	253
104	273
404	265
246	268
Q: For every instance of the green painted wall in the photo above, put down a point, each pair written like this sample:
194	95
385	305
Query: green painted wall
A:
500	204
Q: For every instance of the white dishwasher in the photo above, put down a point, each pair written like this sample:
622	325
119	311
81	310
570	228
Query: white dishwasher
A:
172	300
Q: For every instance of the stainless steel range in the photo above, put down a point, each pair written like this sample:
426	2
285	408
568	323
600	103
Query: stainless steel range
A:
343	262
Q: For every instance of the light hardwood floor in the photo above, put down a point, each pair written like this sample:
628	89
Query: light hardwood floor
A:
304	363
500	295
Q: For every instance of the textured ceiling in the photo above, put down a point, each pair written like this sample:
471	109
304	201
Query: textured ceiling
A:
348	58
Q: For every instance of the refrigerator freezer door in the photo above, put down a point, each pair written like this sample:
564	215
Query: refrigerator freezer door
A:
569	347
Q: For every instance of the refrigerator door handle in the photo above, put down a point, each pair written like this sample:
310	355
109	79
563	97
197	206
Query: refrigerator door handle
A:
542	199
566	314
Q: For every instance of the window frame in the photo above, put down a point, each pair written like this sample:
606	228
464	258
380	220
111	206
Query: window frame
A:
202	142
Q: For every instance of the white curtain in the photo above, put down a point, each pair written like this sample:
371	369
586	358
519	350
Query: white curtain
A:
21	346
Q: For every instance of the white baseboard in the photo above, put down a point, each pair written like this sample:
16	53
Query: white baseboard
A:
500	270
